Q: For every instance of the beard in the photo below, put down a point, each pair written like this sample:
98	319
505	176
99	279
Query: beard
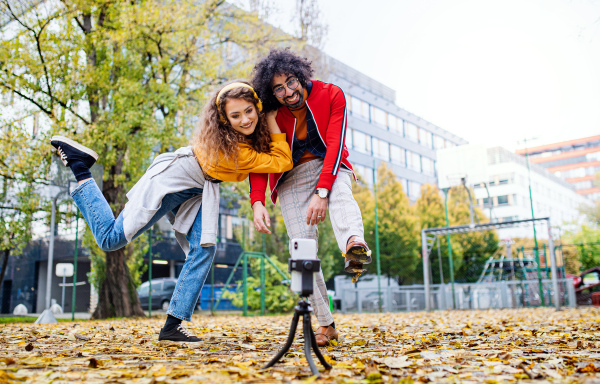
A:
297	104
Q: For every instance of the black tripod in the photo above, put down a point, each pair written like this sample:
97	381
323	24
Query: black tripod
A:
304	309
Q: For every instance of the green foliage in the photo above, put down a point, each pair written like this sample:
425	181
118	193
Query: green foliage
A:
278	297
22	173
587	241
97	273
469	250
135	258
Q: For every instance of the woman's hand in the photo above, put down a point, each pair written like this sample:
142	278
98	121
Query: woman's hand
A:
272	123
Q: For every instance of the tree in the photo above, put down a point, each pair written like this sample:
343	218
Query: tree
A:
126	78
399	235
587	239
18	200
429	207
469	250
397	226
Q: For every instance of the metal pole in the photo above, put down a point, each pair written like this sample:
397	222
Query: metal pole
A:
245	282
377	255
50	254
263	285
74	300
425	271
212	289
62	303
554	269
440	260
451	262
150	272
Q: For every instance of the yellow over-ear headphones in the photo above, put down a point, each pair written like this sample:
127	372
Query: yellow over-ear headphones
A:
232	86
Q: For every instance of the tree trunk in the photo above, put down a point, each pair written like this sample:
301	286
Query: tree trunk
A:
4	265
117	296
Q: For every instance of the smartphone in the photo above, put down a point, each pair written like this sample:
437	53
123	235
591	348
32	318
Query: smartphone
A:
302	249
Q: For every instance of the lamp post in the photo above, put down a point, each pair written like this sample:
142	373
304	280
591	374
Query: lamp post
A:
55	191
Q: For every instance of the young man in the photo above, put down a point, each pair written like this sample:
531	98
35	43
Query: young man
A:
313	115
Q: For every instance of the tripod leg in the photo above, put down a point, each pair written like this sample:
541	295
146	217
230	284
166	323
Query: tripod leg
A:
288	343
307	344
318	353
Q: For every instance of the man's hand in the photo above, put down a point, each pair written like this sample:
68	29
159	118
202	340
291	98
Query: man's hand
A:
317	210
261	216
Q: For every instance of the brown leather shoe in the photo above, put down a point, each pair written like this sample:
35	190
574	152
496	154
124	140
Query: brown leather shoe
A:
325	334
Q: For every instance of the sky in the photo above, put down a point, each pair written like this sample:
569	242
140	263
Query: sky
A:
491	72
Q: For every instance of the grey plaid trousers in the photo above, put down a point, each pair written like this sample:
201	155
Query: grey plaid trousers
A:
295	192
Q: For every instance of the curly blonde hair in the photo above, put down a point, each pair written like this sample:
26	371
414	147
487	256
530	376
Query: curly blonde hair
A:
214	138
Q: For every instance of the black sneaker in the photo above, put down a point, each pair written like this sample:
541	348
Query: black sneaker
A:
179	334
71	151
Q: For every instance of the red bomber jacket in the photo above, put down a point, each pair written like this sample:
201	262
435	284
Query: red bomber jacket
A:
327	105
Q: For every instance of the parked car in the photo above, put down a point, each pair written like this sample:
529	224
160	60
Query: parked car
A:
162	290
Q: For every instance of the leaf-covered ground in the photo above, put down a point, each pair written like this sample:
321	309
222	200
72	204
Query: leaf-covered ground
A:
459	346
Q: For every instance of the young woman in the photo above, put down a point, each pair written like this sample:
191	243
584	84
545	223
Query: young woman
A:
234	138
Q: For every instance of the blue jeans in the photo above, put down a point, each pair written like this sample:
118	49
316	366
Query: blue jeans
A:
110	236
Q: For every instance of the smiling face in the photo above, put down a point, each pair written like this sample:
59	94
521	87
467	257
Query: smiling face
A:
242	115
292	98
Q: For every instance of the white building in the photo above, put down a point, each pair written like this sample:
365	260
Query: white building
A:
501	180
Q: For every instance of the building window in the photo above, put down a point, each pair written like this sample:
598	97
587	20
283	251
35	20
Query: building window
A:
413	161
414	189
361	142
396	124
379	116
397	155
428	166
360	109
349	138
426	138
411	132
381	149
404	183
584	184
438	142
365	173
503	200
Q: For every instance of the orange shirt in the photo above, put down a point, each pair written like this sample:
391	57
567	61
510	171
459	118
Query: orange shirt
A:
300	115
277	160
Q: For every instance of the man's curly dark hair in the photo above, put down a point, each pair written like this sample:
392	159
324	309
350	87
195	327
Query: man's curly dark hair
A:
277	62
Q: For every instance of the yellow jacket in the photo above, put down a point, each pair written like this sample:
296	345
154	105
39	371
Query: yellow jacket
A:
277	160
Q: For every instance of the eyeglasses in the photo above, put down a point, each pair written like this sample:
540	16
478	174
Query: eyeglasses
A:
291	84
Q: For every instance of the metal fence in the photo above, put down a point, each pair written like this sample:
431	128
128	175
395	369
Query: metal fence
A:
501	294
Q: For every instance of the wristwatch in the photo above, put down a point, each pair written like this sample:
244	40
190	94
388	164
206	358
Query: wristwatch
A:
322	192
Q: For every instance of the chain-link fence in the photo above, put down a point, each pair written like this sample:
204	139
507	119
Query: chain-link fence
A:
468	267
